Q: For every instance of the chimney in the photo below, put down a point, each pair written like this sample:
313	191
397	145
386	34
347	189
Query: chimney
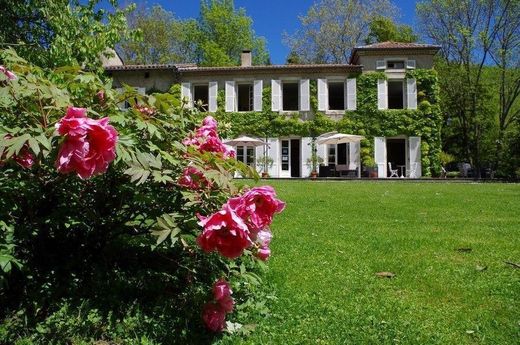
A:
245	58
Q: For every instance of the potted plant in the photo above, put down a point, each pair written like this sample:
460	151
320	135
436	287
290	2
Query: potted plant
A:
369	163
445	159
266	163
313	162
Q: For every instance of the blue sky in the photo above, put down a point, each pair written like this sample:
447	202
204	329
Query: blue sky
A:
271	17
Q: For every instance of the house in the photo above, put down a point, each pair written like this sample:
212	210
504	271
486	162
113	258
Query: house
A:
388	93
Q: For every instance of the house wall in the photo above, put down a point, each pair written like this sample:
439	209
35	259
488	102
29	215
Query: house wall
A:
159	80
369	61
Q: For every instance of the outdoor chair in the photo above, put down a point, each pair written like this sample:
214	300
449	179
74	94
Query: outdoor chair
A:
412	173
342	169
393	172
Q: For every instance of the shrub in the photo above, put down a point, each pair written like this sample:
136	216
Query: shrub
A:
101	212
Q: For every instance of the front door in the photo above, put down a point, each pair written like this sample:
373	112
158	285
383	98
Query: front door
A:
295	158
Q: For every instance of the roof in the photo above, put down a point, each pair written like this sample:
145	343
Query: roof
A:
194	69
271	68
148	67
397	45
392	47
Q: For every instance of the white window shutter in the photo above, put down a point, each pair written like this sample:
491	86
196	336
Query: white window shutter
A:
380	64
355	157
322	94
230	96
415	154
411	93
380	155
382	99
351	93
276	95
257	91
212	97
274	152
306	154
186	93
304	95
410	64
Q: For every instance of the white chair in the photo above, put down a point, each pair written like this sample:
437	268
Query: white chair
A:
412	173
393	172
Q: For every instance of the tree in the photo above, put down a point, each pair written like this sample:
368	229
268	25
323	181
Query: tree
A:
215	39
225	32
472	34
163	38
384	29
331	28
56	33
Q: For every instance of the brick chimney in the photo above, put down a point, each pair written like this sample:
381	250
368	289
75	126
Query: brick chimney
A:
245	58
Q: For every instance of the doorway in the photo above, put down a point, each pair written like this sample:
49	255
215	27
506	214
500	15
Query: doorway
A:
295	158
396	155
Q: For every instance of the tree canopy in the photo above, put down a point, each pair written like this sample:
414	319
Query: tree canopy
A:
216	38
62	32
331	28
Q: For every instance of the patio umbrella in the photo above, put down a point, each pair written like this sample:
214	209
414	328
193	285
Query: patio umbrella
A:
245	141
339	138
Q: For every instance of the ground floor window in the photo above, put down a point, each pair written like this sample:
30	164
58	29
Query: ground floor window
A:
246	154
285	155
290	96
200	97
338	154
245	97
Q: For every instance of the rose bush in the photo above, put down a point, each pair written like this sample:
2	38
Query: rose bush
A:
128	218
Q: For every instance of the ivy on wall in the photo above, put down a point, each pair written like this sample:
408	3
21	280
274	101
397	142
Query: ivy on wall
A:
367	120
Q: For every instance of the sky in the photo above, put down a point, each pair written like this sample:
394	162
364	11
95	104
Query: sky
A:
271	18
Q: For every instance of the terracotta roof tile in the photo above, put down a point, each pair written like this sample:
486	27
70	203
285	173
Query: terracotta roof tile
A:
397	45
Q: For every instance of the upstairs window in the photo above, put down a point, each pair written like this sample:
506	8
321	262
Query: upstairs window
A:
395	65
290	96
336	95
200	94
245	97
395	94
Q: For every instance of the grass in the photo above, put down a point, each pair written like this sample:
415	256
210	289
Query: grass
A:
334	236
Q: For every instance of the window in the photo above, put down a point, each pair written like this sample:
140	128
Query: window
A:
285	155
338	154
200	95
331	158
395	94
290	96
336	95
395	65
246	154
245	97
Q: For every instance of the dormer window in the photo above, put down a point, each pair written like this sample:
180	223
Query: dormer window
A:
395	64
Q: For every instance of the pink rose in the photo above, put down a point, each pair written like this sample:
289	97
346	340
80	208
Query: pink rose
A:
221	289
263	238
89	145
214	317
24	158
193	179
225	232
206	139
257	207
263	253
10	75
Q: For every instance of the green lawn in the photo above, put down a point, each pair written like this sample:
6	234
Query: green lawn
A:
334	236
